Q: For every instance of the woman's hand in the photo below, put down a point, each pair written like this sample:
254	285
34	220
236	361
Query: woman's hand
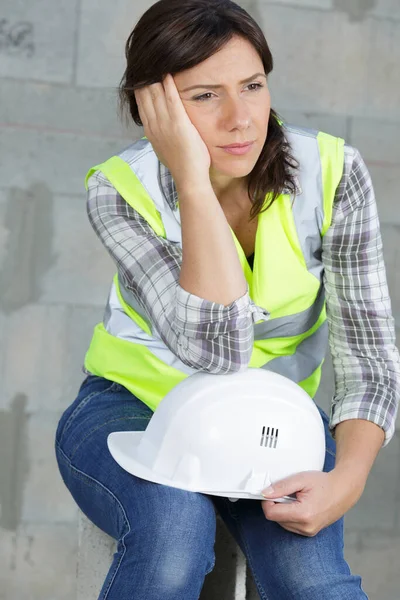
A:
173	136
322	499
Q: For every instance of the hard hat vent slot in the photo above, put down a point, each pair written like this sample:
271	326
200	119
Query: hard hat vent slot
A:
269	437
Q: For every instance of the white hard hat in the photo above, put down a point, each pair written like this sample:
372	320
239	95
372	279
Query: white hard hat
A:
226	435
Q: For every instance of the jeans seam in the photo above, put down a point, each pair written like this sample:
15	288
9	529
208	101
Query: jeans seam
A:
85	477
75	449
80	406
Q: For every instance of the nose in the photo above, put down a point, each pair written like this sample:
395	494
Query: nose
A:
237	114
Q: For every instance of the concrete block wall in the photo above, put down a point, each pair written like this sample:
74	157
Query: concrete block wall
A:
336	69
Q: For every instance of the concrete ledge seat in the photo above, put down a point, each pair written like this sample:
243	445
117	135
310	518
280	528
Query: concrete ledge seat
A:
227	581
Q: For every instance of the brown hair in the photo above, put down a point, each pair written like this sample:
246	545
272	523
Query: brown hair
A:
174	35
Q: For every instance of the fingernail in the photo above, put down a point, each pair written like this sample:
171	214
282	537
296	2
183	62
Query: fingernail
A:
268	491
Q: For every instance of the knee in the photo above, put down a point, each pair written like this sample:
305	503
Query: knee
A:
180	569
177	541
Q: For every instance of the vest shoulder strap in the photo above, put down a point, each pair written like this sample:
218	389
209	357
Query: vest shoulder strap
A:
126	182
331	151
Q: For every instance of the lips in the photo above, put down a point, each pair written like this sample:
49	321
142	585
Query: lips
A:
244	145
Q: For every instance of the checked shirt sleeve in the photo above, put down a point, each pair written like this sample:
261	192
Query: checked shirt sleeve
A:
361	326
205	335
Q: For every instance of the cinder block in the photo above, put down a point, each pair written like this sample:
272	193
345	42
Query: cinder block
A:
50	342
332	124
4	232
2	338
45	497
362	9
300	79
38	562
322	4
28	253
56	160
354	9
373	554
104	30
385	179
378	142
389	9
391	254
37	40
83	270
88	112
381	97
378	506
51	252
35	338
323	76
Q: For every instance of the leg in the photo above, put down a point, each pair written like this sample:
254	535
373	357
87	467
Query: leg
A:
288	566
165	535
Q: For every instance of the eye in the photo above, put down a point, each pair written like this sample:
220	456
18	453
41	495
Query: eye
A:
204	97
259	85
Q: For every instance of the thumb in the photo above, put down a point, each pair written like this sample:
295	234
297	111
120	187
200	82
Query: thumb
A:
284	487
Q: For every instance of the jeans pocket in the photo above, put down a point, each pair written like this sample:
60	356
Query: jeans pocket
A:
86	393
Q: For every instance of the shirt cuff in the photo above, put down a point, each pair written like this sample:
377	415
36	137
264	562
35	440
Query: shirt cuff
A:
200	318
338	414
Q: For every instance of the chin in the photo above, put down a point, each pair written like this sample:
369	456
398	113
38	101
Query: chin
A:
239	171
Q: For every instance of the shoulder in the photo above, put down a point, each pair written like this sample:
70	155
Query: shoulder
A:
139	156
312	146
294	132
355	185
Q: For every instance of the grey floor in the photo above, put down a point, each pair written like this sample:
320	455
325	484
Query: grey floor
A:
336	69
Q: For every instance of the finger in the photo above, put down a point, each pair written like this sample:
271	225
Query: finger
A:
174	102
158	101
290	527
285	487
148	107
291	513
140	101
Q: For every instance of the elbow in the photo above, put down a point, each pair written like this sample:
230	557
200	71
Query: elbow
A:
217	356
217	347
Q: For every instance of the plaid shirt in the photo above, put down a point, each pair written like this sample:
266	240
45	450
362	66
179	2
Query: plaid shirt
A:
210	336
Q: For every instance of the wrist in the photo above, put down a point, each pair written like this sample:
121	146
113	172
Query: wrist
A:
190	184
350	480
352	470
357	444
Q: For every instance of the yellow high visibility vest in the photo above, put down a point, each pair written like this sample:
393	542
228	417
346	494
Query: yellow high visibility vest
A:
287	279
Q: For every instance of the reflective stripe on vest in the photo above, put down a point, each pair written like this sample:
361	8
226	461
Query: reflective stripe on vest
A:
287	283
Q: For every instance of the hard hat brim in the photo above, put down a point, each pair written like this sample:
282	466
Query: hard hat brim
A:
123	448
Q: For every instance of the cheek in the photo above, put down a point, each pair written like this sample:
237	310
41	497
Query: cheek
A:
204	125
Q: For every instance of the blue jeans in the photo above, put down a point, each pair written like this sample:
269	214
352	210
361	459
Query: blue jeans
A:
166	535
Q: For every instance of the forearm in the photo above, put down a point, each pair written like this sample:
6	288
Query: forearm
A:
358	442
211	267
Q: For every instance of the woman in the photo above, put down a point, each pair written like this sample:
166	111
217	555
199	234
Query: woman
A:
184	217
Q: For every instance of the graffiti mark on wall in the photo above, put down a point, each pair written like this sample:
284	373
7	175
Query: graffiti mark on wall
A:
16	39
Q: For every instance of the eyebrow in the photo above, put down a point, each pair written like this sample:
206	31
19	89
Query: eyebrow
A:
214	87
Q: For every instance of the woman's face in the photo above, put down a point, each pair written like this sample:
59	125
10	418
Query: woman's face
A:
234	112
